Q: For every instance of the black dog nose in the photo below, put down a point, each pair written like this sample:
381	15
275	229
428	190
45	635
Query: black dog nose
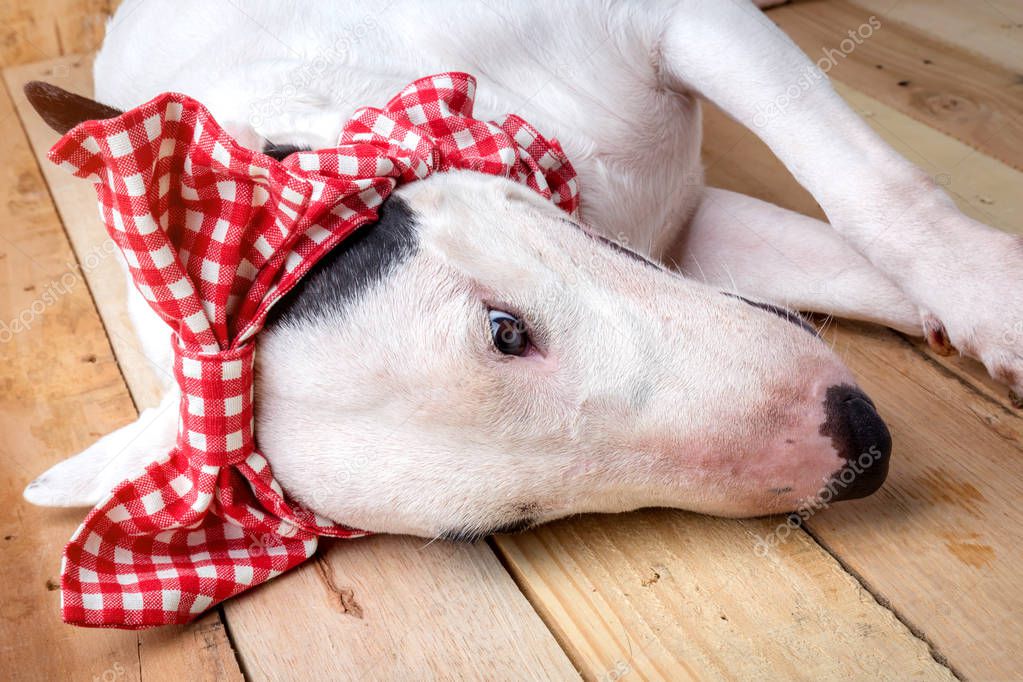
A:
861	438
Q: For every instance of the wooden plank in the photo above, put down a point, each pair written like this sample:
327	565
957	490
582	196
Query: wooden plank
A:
427	608
668	595
992	29
61	390
941	542
966	96
396	607
983	188
31	30
77	206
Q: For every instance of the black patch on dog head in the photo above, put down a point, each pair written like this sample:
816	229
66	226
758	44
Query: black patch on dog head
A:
282	151
620	248
790	315
358	263
626	251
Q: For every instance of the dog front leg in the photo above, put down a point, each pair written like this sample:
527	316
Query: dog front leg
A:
764	252
965	278
89	476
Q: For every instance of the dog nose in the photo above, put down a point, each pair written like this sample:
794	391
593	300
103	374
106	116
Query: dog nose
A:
861	438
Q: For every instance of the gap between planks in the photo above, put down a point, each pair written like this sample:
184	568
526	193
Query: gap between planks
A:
912	541
51	368
917	632
973	99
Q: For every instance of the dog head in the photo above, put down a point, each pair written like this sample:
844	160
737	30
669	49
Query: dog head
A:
478	361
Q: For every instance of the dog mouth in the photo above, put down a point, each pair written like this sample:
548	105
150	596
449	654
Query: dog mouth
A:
474	535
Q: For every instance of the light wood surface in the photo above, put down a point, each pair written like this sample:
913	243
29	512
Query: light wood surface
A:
32	30
989	28
60	389
674	596
427	609
966	96
76	203
941	542
917	582
395	608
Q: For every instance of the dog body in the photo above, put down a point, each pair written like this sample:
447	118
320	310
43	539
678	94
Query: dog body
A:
381	400
591	78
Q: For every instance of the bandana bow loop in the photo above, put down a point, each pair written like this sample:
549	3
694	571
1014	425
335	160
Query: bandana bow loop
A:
424	130
214	235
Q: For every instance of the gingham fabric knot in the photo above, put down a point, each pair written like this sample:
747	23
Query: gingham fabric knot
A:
429	127
215	425
213	235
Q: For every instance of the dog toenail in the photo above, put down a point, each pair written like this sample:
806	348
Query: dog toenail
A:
937	338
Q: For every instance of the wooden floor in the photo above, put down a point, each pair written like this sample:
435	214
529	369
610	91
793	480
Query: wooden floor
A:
924	580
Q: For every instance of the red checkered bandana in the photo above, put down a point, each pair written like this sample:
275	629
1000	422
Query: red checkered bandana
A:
214	234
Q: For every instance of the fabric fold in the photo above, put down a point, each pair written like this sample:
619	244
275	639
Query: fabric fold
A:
214	234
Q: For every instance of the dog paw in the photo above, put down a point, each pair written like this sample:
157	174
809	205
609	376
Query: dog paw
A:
999	347
970	291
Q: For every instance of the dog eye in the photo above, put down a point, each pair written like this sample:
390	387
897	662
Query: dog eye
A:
509	332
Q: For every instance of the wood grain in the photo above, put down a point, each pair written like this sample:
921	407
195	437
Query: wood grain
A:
966	96
992	29
60	389
668	595
393	607
940	542
31	30
437	610
76	205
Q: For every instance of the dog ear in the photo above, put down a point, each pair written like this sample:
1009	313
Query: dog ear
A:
88	477
63	110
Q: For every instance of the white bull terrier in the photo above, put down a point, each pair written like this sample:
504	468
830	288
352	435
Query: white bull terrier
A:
478	361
